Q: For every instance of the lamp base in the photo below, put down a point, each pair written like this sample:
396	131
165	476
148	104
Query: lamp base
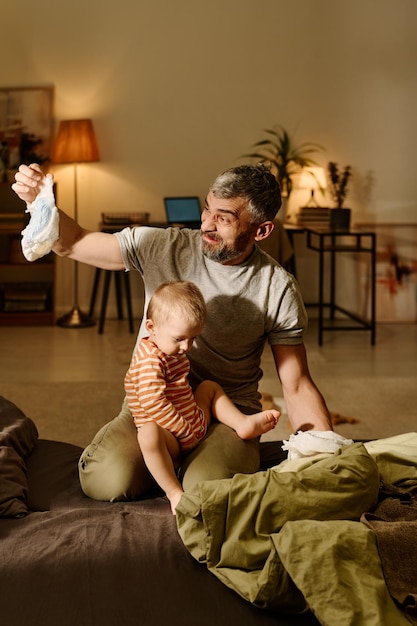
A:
313	202
75	319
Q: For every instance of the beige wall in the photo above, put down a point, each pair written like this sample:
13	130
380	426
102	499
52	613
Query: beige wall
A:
178	89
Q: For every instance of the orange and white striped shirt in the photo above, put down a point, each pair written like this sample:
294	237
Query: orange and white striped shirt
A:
157	388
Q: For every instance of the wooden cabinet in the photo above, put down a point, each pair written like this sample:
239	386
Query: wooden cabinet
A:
26	289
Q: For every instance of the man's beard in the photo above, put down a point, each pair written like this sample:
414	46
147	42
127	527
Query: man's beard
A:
224	253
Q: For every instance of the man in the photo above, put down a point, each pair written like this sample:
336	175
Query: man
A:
250	299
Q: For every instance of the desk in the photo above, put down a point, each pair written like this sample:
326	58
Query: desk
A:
291	230
333	242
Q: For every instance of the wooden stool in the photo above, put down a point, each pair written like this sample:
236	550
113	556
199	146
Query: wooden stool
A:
105	296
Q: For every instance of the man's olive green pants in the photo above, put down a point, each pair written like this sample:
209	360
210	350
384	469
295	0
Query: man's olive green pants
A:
112	467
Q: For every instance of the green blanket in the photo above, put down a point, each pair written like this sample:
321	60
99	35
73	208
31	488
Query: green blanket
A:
292	540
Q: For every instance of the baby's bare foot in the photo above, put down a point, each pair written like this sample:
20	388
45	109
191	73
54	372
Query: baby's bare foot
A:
258	424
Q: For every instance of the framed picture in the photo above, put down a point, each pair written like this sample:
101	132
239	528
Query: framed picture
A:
396	272
26	127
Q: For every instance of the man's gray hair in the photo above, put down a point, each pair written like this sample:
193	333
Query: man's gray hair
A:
256	184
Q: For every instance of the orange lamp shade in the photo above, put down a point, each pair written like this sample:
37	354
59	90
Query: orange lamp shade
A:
75	142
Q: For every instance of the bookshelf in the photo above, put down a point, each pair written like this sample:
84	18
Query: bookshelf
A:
26	289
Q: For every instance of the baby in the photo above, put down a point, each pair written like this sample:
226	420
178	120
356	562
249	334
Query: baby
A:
171	420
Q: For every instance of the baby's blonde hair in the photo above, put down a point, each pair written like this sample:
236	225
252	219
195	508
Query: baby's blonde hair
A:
177	298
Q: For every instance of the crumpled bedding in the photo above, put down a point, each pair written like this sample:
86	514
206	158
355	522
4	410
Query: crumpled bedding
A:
73	560
290	538
394	523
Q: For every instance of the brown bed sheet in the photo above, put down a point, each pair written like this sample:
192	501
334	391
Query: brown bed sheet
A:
73	560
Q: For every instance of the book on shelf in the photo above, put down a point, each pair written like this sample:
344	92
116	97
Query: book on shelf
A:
311	215
124	219
25	297
12	222
24	306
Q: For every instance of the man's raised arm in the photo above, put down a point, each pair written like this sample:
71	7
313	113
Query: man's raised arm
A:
95	248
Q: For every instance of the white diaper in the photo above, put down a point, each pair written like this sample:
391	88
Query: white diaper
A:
310	442
43	229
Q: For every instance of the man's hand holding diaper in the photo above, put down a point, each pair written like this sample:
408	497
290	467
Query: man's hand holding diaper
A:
43	229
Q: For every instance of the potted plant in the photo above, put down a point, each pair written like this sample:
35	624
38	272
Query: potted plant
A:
339	216
286	158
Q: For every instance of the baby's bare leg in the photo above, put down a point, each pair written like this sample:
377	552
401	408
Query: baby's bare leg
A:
161	453
214	401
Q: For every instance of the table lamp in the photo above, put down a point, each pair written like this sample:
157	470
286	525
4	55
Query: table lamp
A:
313	178
75	143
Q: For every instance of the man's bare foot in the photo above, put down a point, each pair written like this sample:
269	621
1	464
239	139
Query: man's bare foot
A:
257	424
174	499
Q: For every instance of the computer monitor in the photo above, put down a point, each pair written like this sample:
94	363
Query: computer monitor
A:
183	211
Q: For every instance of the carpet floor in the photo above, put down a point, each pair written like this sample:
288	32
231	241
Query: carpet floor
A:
70	412
70	382
75	411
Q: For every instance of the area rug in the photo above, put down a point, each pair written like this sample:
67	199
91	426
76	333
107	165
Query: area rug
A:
74	412
271	402
122	347
70	412
362	408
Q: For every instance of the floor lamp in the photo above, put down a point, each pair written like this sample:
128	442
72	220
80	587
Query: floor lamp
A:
75	143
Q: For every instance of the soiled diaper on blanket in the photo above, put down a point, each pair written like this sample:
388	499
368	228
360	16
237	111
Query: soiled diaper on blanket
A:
43	229
311	442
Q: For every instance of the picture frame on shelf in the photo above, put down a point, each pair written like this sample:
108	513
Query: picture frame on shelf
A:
26	127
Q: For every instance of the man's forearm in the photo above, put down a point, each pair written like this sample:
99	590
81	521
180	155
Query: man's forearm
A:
69	234
307	410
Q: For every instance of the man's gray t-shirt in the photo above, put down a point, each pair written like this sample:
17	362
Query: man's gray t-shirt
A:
247	305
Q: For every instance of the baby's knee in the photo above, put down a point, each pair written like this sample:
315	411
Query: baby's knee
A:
209	388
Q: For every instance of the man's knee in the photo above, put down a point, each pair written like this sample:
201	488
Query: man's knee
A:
111	468
221	454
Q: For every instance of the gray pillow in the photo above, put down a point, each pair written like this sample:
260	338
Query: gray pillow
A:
13	485
18	436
